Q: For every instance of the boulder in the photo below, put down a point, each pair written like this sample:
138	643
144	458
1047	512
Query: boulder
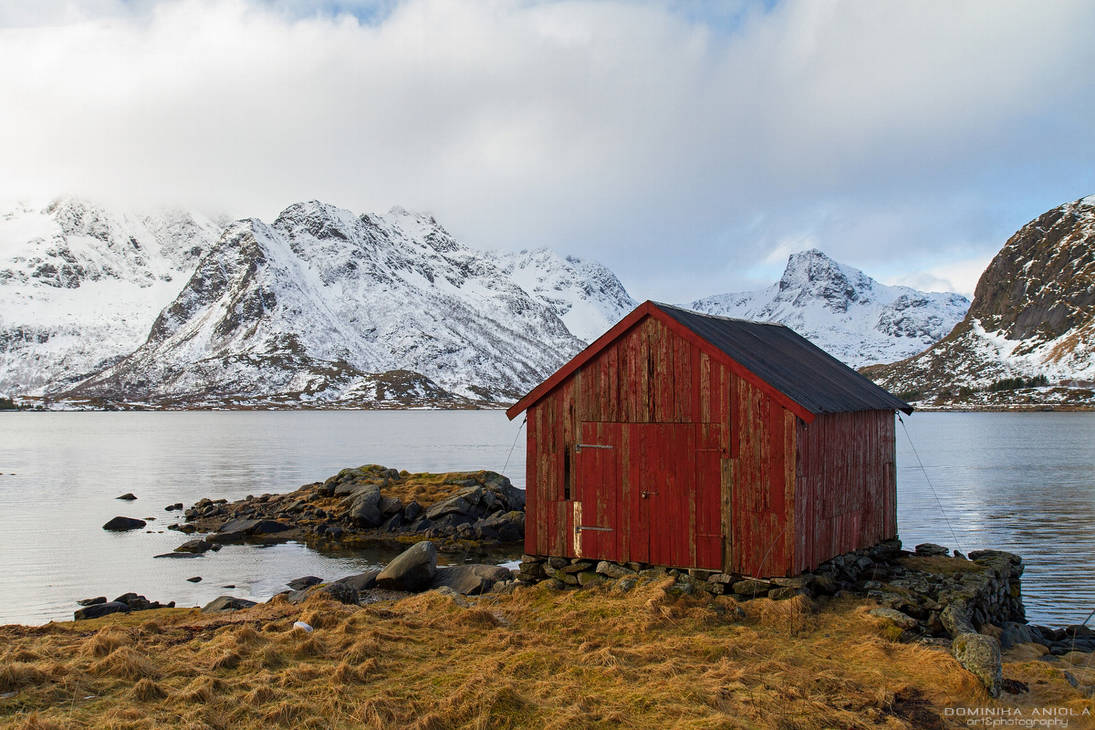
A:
101	609
785	592
361	581
980	655
411	511
390	505
929	549
240	529
504	526
454	505
194	579
91	601
363	507
752	587
226	603
341	592
194	546
128	496
413	570
590	578
305	582
613	570
471	580
901	620
1014	634
121	524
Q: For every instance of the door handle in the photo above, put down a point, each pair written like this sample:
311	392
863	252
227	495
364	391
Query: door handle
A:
645	493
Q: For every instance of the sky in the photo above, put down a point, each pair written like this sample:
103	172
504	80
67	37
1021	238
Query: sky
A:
689	146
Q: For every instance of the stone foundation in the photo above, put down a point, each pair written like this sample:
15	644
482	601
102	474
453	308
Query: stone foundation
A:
984	590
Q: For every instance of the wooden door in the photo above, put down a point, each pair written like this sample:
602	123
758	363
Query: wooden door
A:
650	493
597	512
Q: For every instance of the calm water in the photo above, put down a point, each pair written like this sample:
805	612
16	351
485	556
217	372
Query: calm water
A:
1021	482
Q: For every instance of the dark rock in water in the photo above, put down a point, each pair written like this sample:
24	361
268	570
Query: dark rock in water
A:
413	570
91	601
300	583
178	555
195	579
239	529
929	549
101	609
128	496
470	580
194	546
226	603
184	529
173	507
361	581
121	524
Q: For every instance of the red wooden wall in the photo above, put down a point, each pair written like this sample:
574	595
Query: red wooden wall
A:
647	376
732	479
847	487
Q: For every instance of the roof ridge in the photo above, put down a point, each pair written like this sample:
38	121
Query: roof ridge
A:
772	323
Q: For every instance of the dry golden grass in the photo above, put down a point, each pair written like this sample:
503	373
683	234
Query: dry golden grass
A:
428	488
534	658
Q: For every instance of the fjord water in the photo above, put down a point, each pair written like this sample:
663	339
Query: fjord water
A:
1020	482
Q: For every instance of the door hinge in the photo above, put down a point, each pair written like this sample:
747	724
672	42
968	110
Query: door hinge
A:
579	447
591	528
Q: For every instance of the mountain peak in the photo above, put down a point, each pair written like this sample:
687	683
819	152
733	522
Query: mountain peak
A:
845	311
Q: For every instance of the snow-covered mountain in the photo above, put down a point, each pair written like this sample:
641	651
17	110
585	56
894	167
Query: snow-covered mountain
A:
844	311
1033	316
326	307
80	284
584	294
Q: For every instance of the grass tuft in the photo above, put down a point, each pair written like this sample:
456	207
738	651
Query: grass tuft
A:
125	663
147	690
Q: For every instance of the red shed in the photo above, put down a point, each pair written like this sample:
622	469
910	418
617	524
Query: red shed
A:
693	441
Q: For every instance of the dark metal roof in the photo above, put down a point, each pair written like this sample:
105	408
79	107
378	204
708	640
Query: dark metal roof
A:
789	363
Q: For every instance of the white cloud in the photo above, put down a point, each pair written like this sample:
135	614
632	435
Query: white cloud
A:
679	153
958	276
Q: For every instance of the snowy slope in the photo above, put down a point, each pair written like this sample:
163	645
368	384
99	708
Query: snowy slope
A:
307	307
844	311
79	285
1033	314
584	294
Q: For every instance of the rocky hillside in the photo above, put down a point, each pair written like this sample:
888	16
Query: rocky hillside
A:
80	284
324	307
1029	336
844	311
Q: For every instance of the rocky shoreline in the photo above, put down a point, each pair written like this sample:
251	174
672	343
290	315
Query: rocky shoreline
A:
413	571
372	505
